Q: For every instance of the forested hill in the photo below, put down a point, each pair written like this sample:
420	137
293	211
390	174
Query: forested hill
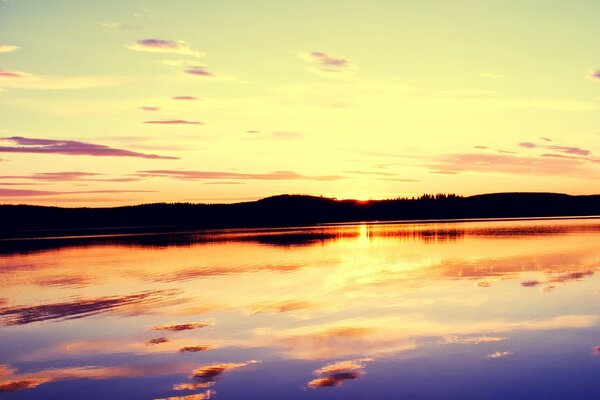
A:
287	210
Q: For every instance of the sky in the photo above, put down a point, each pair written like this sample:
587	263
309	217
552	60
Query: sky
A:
125	102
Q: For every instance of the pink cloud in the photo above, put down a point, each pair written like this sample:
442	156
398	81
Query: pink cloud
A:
184	98
12	74
195	175
562	149
149	108
596	75
325	62
507	163
70	147
198	71
174	122
4	192
164	46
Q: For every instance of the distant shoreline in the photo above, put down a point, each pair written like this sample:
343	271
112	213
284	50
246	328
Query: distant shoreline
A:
23	221
113	232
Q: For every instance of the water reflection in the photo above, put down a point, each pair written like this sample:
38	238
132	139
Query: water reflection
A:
353	311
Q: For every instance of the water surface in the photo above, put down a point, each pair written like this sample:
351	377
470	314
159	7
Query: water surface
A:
464	310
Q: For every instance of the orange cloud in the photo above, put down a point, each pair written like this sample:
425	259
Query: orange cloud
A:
198	396
334	374
180	327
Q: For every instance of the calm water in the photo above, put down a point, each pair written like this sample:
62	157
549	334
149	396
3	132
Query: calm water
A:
472	310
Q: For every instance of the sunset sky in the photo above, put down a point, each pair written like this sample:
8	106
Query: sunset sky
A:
123	102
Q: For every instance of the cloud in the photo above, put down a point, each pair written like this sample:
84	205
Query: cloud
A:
184	98
67	176
281	306
198	70
6	48
24	80
180	327
198	396
192	386
210	373
4	192
197	175
499	354
473	340
70	147
531	283
326	63
393	334
571	276
507	164
13	74
84	307
159	340
194	349
174	122
560	278
324	60
164	46
195	273
14	385
562	149
149	108
334	374
596	350
596	74
12	381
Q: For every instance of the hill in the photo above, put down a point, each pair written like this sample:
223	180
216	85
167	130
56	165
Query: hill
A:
284	210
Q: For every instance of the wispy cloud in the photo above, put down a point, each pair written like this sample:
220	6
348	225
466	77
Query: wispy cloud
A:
180	327
68	176
69	147
6	48
149	108
4	192
197	396
199	175
24	80
159	340
13	74
84	307
562	149
184	98
173	122
325	63
11	381
198	70
507	164
595	74
164	46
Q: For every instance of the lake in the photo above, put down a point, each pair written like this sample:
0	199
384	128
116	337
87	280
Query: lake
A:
446	310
